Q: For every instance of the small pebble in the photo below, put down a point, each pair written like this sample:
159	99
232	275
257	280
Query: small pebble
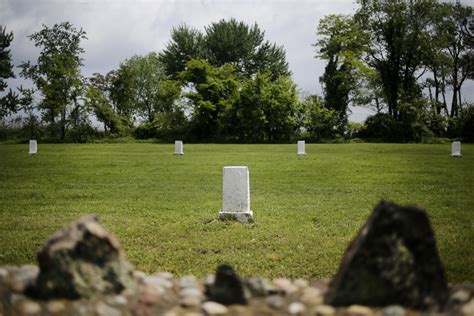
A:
285	285
55	306
324	310
165	275
188	281
312	296
296	308
117	300
394	310
190	301
24	277
190	291
3	273
301	283
460	296
275	302
213	308
103	309
359	310
468	309
139	275
149	299
28	308
155	280
209	279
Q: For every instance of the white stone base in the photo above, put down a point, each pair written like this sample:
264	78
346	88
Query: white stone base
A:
456	155
241	217
178	154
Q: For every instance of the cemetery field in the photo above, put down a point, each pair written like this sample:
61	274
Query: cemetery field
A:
163	207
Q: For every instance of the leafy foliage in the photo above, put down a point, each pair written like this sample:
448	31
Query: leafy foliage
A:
319	121
224	43
342	43
8	102
214	93
57	72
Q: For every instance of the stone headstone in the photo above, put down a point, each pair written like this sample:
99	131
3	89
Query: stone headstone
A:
81	261
301	148
392	261
33	147
456	149
178	147
227	288
236	195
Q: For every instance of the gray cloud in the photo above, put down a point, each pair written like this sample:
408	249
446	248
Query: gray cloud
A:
118	29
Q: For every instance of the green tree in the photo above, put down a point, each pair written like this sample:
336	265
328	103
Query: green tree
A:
460	50
224	43
398	35
437	60
213	93
8	102
266	110
153	91
319	121
122	94
243	46
342	43
185	44
57	73
98	101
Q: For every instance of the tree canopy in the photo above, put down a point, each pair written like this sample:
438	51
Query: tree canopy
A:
226	42
57	73
8	102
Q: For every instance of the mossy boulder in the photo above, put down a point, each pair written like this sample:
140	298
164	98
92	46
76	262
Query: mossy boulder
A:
392	260
82	260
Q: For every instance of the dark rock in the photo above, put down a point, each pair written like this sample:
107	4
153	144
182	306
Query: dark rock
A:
392	260
227	288
81	260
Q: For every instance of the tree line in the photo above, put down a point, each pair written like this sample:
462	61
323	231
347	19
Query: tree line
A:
228	84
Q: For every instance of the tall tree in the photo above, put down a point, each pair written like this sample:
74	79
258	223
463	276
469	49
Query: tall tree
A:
243	46
460	50
185	44
57	72
99	101
213	92
122	94
342	43
8	102
226	42
398	38
266	110
153	91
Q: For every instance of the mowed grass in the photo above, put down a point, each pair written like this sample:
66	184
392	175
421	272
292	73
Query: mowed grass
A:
306	209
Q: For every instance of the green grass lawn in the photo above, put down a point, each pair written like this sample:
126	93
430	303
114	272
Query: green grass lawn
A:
306	209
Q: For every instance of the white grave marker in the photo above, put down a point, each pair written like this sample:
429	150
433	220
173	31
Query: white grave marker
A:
178	147
236	195
456	149
301	148
33	147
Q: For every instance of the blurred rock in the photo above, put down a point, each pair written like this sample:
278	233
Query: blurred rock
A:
296	308
392	261
324	310
227	288
213	308
358	310
393	310
81	260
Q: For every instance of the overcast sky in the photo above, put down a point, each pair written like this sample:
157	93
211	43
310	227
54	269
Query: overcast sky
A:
118	29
